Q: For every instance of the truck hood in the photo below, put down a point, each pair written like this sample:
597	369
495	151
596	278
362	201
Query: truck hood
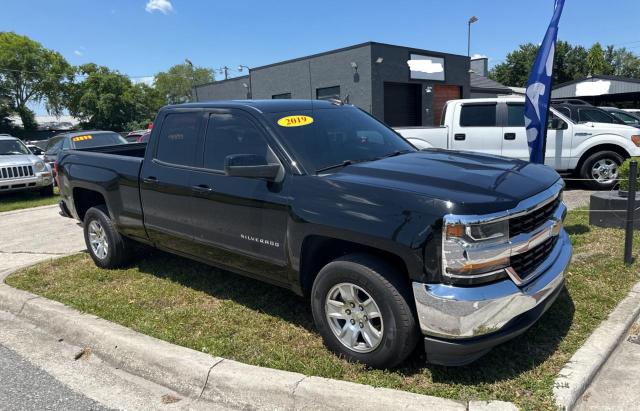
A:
610	127
465	180
14	160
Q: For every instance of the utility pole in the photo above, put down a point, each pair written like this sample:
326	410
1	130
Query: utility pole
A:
225	70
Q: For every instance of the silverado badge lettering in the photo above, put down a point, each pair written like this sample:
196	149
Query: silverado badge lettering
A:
260	240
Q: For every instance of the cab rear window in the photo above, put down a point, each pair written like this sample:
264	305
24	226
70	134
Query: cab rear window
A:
478	115
96	140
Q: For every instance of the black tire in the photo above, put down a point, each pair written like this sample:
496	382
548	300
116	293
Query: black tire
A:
586	171
47	191
118	251
392	294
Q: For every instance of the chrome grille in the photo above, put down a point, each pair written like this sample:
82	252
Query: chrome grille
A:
15	172
529	222
524	264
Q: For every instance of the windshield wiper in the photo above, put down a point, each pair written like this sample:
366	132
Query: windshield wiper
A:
394	153
342	164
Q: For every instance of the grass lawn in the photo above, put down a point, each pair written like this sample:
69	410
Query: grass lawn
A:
26	199
234	317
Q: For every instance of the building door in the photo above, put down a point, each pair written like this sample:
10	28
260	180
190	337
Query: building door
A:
402	103
441	94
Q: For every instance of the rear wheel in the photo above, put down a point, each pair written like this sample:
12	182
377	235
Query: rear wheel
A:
363	309
600	170
106	246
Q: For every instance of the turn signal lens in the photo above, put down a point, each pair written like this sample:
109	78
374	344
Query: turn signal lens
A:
636	140
455	230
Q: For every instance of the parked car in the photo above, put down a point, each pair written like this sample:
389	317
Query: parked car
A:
592	151
628	118
144	138
37	151
78	140
21	170
134	136
392	245
580	113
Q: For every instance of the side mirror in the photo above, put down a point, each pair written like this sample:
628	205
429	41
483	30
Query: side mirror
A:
250	166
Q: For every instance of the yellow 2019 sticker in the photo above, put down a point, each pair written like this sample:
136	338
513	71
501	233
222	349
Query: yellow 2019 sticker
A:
295	121
82	138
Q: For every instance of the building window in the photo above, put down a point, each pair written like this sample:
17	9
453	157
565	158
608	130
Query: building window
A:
281	96
328	93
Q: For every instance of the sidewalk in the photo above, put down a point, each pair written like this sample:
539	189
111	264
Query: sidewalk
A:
617	385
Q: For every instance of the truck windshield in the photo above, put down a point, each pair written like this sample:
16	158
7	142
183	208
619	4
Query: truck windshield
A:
12	147
325	137
97	139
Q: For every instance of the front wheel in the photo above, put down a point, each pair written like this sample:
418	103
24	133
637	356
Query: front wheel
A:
600	170
362	307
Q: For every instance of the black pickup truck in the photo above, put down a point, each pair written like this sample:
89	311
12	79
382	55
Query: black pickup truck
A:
392	245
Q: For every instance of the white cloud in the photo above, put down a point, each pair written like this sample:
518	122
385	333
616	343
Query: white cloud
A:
78	52
163	6
479	56
146	80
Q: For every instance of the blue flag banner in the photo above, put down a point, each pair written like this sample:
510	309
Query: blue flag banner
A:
538	94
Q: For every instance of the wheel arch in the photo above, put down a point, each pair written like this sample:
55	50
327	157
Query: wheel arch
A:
318	251
598	148
84	199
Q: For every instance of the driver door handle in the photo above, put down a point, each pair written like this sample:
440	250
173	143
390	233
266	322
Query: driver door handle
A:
150	180
459	137
509	136
202	188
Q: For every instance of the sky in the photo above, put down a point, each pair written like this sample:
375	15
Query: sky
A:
142	37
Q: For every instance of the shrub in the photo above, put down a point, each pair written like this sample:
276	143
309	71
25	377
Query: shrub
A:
623	174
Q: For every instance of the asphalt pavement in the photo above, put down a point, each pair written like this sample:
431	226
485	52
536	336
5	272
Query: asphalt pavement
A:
24	386
38	371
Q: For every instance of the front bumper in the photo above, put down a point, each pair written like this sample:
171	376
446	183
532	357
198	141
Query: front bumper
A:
35	182
461	324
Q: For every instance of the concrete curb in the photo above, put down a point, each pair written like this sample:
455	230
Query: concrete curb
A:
213	379
24	210
583	366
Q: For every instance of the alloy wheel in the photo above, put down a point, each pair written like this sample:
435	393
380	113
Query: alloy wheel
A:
354	317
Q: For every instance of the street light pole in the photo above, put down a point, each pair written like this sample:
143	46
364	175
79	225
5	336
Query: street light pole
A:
240	67
472	20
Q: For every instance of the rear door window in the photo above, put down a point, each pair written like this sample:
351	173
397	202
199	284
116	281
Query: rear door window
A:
478	115
515	115
178	138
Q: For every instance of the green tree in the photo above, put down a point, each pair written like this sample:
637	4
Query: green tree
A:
569	64
515	69
596	61
176	84
622	62
31	73
108	100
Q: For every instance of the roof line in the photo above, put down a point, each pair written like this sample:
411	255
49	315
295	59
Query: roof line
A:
246	76
598	76
355	46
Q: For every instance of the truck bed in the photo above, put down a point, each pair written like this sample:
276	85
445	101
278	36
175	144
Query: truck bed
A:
129	150
112	171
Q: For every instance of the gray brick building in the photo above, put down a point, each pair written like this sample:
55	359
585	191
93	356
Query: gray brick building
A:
402	86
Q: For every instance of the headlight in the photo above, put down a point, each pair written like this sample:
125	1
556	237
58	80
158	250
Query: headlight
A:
474	253
39	166
636	140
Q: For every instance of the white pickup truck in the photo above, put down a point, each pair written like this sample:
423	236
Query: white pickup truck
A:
592	151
